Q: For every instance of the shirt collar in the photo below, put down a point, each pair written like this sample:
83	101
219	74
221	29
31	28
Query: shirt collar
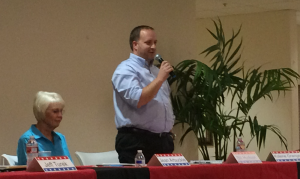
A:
141	61
37	133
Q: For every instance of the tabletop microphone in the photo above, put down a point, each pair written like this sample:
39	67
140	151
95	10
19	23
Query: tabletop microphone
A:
160	60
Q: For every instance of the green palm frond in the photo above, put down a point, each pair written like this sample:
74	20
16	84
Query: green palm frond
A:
260	132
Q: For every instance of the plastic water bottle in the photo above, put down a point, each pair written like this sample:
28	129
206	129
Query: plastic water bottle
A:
140	160
240	145
31	149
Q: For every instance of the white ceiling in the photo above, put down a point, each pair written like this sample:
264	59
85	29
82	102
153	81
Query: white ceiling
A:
214	8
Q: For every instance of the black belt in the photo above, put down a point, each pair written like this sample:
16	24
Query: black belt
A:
134	130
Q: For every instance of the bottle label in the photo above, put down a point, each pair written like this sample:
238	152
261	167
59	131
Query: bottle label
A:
139	162
31	150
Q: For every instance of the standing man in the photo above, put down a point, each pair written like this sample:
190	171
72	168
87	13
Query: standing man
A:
143	111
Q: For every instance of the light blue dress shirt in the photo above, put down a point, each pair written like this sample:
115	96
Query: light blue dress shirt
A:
128	80
58	148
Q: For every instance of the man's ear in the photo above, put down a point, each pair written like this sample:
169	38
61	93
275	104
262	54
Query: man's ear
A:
134	45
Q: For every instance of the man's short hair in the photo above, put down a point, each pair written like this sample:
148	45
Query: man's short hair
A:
135	34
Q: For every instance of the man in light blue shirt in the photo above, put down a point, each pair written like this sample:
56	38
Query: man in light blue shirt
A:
143	111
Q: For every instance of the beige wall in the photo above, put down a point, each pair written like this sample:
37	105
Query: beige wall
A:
269	39
72	47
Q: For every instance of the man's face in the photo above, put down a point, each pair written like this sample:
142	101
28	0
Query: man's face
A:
145	47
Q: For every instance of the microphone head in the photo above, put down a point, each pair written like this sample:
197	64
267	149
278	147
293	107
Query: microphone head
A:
158	58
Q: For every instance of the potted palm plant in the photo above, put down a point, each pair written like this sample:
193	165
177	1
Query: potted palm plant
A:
199	92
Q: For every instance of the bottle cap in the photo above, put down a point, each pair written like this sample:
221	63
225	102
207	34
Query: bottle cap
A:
31	137
139	151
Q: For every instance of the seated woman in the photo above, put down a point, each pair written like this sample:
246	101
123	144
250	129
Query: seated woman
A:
48	111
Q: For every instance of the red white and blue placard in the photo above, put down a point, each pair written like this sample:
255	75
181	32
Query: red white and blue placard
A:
284	156
168	160
51	164
243	157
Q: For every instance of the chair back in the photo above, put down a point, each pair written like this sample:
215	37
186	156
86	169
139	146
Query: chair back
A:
10	159
97	158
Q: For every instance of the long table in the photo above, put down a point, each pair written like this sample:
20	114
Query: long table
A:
269	170
79	174
266	170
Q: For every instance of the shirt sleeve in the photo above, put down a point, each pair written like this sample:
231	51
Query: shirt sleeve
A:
21	151
128	87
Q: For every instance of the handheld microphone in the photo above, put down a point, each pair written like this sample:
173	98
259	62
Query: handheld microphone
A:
160	60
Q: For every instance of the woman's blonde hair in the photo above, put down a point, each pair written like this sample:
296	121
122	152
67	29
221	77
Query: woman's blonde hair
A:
41	102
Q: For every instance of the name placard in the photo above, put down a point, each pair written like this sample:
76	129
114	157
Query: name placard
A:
168	160
51	164
284	156
243	157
